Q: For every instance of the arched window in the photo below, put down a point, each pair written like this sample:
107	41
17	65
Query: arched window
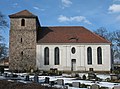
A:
46	56
22	22
99	55
89	55
73	50
57	56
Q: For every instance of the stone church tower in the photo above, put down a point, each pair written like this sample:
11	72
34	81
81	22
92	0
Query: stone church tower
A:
23	35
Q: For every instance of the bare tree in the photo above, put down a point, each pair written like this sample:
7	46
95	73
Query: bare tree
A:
114	38
105	34
3	48
3	22
102	32
117	43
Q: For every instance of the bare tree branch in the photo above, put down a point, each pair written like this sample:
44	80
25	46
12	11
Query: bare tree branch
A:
114	38
3	22
3	48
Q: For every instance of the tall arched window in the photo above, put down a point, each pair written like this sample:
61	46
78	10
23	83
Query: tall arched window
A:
22	22
99	55
89	55
46	56
56	56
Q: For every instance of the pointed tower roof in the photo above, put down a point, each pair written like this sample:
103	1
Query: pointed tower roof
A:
24	13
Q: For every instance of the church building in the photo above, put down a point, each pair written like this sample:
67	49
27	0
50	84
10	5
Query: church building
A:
67	48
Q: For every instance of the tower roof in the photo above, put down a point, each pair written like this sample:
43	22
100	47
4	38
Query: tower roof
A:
23	13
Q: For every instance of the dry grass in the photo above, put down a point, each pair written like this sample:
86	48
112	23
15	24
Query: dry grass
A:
4	84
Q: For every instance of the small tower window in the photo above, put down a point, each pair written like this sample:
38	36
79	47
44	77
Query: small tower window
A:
23	22
21	40
22	53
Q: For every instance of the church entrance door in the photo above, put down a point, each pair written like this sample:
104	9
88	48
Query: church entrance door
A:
73	65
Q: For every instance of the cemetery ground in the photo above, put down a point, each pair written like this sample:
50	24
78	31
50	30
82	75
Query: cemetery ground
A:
4	84
58	80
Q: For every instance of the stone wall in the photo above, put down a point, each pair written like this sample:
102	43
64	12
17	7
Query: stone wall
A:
22	45
30	23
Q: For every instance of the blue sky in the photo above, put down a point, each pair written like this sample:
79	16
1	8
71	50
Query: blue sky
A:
91	14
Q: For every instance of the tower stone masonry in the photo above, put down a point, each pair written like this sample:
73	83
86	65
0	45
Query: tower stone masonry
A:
23	41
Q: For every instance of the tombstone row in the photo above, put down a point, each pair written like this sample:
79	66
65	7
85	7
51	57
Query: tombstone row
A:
36	78
61	82
95	86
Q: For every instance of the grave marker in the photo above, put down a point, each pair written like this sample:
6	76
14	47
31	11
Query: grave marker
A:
76	84
116	87
94	86
60	81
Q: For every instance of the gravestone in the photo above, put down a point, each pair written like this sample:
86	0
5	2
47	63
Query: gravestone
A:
118	76
53	71
52	83
91	75
73	75
36	78
94	86
5	74
27	78
1	69
104	88
114	77
66	87
116	87
60	81
76	84
47	79
31	70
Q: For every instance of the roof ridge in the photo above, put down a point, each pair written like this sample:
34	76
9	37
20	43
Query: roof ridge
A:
62	26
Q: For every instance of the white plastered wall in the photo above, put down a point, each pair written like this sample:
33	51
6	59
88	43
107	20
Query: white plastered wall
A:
80	55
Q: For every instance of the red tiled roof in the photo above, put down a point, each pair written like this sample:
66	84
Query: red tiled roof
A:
23	13
68	34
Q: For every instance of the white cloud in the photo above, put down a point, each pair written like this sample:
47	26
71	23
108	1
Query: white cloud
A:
36	8
75	18
114	8
42	9
116	0
66	3
15	5
63	18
